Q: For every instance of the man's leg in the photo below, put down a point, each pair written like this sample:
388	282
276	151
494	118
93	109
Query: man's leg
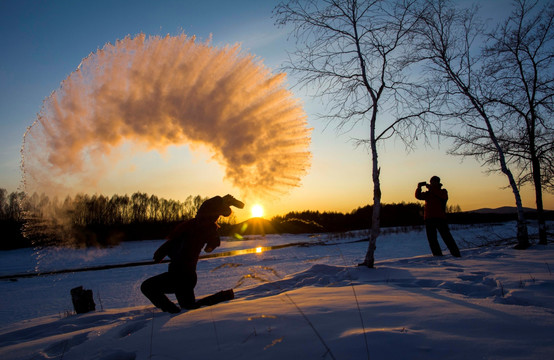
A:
185	291
431	229
155	289
442	226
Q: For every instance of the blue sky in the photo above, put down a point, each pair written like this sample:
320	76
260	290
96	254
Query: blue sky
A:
43	42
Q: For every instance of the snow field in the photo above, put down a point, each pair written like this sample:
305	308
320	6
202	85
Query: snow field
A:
307	303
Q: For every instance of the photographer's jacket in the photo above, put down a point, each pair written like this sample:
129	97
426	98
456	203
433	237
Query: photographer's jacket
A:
435	202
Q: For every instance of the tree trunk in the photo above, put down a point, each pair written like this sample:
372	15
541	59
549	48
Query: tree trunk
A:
538	197
369	260
522	235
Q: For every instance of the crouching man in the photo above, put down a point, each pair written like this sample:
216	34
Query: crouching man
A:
183	246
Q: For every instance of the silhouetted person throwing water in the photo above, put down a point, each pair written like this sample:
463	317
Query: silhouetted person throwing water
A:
183	246
435	216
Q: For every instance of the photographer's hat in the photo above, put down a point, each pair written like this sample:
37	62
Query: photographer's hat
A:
436	179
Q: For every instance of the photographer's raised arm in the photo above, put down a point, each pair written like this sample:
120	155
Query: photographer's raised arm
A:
418	193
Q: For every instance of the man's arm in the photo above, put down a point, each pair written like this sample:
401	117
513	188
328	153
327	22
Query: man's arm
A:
162	252
177	233
419	194
212	242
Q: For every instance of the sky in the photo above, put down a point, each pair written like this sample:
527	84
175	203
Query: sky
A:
43	42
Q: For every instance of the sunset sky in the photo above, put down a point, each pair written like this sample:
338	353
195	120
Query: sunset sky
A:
43	42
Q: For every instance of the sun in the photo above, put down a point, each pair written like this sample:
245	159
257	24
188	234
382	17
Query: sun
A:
257	210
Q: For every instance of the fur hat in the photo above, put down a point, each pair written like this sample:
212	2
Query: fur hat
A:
215	207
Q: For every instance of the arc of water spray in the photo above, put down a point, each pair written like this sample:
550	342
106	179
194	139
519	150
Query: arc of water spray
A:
173	90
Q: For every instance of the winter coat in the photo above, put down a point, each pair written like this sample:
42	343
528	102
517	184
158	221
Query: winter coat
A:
184	244
435	202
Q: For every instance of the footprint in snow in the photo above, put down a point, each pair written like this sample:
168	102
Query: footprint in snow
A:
62	347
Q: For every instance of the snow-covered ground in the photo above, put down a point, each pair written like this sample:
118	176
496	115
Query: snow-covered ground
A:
309	302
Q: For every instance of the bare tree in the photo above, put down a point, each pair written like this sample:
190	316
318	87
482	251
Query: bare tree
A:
520	66
153	208
14	208
449	43
3	203
139	203
351	51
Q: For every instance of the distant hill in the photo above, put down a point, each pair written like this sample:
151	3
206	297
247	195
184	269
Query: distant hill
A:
260	226
501	210
253	226
489	215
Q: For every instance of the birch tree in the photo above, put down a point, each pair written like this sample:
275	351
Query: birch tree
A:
352	53
459	90
520	65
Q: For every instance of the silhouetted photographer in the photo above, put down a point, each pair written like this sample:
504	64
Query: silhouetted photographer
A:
183	246
435	216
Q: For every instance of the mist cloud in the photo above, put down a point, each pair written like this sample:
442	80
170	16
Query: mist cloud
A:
162	91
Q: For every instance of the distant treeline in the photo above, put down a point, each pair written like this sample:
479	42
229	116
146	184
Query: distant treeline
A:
399	214
98	220
88	220
403	214
396	214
